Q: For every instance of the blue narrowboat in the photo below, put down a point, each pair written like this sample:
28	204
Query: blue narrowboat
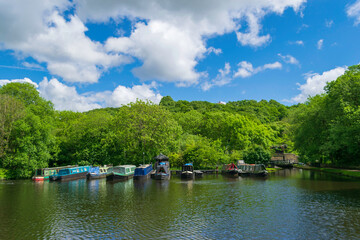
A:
143	172
71	173
97	172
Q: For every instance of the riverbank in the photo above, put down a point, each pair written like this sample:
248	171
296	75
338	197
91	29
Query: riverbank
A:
343	172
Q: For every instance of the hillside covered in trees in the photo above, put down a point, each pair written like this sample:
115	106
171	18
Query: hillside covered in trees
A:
33	135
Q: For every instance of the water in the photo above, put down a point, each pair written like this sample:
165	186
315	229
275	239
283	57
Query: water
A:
290	204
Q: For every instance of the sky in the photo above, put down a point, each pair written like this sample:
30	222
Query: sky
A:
87	54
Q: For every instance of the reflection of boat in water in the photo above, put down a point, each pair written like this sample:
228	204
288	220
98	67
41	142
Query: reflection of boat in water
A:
122	172
284	164
97	172
143	172
252	169
162	167
70	173
44	173
230	170
187	171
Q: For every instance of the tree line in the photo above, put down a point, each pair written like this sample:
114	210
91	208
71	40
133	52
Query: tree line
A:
33	135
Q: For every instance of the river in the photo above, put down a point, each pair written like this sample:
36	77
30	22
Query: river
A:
289	204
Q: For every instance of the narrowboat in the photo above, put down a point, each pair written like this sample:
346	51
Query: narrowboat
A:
187	171
44	173
97	172
230	170
122	172
253	170
284	164
143	172
162	171
71	173
162	167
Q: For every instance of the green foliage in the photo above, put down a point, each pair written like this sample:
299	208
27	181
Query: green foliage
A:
257	154
327	127
30	142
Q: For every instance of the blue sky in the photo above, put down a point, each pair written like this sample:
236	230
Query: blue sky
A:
89	54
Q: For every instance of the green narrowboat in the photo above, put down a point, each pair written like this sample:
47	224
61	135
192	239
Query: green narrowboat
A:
42	174
122	172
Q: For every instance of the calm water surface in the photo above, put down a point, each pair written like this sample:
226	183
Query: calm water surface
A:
290	204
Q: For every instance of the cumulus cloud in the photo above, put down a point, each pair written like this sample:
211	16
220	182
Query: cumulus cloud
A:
221	79
316	82
252	37
47	37
66	97
168	38
288	59
173	39
246	69
24	80
353	11
320	44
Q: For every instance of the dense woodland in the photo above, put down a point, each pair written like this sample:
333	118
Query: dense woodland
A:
33	135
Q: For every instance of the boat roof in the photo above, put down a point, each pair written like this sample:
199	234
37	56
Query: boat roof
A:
188	164
144	166
125	166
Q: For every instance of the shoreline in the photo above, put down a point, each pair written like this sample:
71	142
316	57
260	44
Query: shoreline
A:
337	171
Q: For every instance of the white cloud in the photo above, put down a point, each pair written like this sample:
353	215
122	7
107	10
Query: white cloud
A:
246	69
170	41
217	51
316	82
353	11
221	79
66	97
252	37
289	59
25	80
329	23
298	42
47	37
320	44
168	53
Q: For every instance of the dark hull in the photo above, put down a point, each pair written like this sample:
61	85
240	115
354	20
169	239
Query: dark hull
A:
114	177
198	173
97	176
142	177
161	177
289	165
231	173
187	175
71	177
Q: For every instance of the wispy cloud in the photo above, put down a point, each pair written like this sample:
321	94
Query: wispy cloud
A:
329	23
353	11
288	59
246	69
320	44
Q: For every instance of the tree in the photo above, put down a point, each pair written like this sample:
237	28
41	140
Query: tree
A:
257	154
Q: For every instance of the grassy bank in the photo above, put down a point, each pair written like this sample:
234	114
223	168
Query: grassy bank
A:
344	172
270	170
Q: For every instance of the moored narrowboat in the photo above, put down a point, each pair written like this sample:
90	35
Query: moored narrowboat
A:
44	173
97	172
143	172
253	169
162	167
71	173
187	171
122	172
230	170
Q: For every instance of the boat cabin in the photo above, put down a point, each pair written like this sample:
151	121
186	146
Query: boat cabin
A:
74	170
188	167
